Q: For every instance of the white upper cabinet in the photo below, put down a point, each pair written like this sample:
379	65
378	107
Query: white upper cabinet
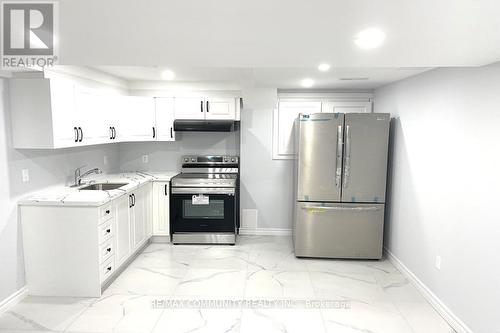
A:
220	108
44	113
189	108
61	112
93	114
64	113
164	119
347	107
137	118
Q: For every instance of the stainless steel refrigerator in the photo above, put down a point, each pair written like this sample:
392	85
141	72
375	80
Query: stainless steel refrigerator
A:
340	184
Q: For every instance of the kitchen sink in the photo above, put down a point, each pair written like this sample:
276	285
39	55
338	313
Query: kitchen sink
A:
103	187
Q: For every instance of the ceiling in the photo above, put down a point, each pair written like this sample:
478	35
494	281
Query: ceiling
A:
278	33
283	78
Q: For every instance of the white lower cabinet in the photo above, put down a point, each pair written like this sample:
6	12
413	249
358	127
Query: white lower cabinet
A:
74	251
161	212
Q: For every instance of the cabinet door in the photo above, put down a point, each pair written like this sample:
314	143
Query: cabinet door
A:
189	108
123	228
220	108
347	107
137	118
164	119
161	215
64	113
92	115
140	216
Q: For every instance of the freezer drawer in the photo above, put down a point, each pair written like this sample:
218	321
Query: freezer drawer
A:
327	230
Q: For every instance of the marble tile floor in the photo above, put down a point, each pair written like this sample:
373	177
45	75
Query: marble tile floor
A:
256	286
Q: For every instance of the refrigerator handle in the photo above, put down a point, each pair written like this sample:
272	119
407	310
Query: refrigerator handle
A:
341	208
347	164
338	160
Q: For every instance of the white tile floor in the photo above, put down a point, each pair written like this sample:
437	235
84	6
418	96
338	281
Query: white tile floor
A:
368	296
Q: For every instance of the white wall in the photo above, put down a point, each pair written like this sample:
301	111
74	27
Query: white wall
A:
266	184
166	156
47	168
445	179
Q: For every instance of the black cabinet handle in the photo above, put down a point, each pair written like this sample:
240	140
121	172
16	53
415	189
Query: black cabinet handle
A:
208	107
109	268
81	134
108	231
129	201
111	133
171	133
114	133
154	132
76	133
108	211
108	249
166	190
133	200
201	106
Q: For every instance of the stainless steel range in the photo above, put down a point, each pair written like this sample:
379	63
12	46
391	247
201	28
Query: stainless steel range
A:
204	203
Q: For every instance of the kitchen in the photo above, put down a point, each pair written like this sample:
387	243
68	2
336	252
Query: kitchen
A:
429	214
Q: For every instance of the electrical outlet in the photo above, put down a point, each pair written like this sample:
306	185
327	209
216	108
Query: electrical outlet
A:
26	175
438	262
145	159
105	160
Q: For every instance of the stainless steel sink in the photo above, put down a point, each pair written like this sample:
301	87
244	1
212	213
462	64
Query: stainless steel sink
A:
103	187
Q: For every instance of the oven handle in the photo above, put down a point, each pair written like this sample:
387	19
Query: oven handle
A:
202	190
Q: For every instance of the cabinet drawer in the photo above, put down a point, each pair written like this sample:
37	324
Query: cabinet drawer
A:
107	268
105	213
106	231
106	250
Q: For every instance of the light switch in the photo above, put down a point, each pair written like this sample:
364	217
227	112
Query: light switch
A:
26	175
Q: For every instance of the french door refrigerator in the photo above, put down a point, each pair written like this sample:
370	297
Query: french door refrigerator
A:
340	184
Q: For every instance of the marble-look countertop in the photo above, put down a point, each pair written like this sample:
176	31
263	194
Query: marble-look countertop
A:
61	195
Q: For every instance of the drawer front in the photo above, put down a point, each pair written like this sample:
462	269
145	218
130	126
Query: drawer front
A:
105	213
106	231
106	250
107	268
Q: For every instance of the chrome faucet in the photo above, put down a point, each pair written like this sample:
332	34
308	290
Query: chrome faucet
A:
79	176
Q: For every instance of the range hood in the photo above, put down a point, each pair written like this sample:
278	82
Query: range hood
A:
193	125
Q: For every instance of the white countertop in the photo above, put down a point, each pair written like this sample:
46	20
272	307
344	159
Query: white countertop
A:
72	196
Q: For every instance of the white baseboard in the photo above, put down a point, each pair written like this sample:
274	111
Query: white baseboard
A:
445	312
13	299
265	232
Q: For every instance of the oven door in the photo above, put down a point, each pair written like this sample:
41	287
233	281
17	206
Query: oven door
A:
202	210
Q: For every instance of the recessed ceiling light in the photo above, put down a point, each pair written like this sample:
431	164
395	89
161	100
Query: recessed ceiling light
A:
167	74
324	67
307	83
370	38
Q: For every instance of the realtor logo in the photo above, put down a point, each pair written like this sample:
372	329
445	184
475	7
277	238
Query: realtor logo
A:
28	34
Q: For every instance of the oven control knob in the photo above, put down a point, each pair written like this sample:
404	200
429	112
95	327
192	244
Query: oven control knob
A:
232	160
186	160
193	160
226	160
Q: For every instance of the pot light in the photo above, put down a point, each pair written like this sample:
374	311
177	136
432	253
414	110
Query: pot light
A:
307	83
167	74
370	38
324	67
